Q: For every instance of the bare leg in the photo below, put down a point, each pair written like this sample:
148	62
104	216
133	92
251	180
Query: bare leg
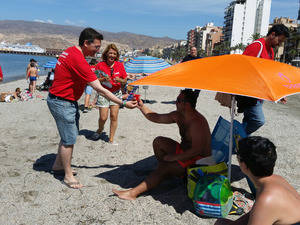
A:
114	112
64	155
87	100
161	147
103	114
33	86
163	171
57	165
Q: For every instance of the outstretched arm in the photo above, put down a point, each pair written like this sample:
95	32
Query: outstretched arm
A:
155	117
98	87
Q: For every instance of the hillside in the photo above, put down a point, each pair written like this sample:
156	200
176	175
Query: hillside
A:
48	35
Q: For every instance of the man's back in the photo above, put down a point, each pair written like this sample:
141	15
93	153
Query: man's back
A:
277	202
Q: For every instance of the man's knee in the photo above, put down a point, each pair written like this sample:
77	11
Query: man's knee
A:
157	142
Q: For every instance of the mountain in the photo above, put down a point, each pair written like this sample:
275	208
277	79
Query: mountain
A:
48	35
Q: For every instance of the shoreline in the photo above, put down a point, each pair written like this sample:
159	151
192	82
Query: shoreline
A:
30	194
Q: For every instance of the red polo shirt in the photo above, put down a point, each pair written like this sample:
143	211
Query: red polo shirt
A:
254	48
72	73
118	71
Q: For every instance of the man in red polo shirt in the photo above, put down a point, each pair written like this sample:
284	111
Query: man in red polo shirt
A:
263	48
72	74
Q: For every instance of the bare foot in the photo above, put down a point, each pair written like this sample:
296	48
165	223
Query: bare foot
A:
72	183
60	170
124	194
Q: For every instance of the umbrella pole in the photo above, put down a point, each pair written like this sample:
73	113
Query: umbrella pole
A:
232	110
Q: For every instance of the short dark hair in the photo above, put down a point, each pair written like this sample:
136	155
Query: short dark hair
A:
279	29
90	35
259	155
190	96
32	60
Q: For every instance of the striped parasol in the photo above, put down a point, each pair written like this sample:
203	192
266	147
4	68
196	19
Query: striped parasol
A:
145	64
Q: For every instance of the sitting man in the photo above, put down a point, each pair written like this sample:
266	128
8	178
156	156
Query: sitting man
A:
277	202
173	158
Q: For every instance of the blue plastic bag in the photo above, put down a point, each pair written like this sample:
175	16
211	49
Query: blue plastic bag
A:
220	138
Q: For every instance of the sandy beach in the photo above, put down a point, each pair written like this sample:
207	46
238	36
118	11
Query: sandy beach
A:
30	194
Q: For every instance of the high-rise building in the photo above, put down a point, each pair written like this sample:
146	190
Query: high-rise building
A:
243	18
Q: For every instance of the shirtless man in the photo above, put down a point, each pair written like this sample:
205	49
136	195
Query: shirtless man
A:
32	74
277	202
173	157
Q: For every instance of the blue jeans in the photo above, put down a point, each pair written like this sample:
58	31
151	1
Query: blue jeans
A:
253	118
66	116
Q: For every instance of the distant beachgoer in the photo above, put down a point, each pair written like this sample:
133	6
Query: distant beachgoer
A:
277	202
263	48
72	73
32	74
89	89
174	157
116	77
28	66
193	55
1	74
10	96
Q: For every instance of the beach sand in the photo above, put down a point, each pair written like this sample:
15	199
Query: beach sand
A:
29	194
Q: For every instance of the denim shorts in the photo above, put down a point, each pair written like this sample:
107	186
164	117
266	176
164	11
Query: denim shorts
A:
103	102
88	90
66	116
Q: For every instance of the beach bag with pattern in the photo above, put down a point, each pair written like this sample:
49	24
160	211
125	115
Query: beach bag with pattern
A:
213	196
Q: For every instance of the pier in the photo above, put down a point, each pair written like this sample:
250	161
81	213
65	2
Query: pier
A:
48	52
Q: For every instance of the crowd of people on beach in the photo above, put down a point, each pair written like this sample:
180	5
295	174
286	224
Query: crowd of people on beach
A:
276	201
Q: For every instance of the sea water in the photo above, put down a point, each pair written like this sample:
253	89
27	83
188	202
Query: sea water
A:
14	65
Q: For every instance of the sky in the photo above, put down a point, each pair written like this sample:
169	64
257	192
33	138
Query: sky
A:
157	18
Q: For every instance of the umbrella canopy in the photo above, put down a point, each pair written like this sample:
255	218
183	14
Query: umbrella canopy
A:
50	64
234	74
145	64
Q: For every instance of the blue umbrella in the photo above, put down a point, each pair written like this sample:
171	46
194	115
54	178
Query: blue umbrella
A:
50	64
145	64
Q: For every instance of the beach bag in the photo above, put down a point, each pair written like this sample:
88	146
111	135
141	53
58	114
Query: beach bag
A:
220	138
195	171
213	196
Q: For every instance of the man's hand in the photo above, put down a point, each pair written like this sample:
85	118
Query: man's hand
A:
131	104
140	104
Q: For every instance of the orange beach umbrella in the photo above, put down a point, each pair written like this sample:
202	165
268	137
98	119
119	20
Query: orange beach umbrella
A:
233	74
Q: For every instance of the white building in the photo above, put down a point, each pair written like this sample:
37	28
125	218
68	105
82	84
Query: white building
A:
243	18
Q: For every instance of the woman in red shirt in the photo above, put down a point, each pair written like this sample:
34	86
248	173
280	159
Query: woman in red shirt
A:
113	78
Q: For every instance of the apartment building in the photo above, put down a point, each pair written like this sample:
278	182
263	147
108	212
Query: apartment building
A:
243	18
